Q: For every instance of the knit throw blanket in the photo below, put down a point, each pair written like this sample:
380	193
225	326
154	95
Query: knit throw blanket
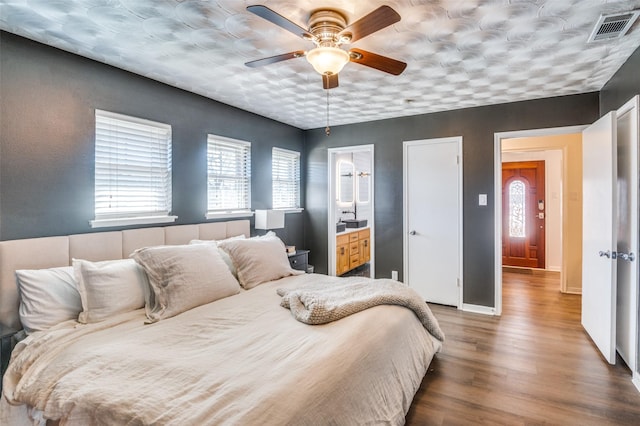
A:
320	303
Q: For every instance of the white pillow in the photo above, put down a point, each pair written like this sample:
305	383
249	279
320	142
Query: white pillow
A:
259	260
47	297
224	254
183	277
110	287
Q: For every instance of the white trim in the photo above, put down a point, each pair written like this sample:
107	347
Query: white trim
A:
497	199
478	309
636	380
292	210
132	119
228	215
331	216
405	231
106	223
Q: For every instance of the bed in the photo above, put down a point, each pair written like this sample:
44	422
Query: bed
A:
241	358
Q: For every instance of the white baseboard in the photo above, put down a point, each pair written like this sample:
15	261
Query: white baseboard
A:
478	309
636	380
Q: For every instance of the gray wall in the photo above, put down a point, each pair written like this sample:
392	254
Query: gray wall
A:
47	102
48	98
477	127
624	85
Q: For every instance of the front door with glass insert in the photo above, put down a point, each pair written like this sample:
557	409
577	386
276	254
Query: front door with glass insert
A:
523	205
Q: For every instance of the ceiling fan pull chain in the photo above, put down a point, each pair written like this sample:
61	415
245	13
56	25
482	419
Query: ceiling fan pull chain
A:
327	129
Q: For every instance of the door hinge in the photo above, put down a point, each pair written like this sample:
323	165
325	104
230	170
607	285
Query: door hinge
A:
457	159
458	281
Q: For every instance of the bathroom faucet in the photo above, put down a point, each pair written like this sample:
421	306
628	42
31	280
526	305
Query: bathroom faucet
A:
353	212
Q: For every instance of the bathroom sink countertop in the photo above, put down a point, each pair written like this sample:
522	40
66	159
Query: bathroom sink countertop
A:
350	230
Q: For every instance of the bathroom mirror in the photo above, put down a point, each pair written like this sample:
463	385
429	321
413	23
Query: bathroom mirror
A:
363	187
345	180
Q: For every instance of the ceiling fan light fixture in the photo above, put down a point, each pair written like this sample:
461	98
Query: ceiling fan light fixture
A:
327	60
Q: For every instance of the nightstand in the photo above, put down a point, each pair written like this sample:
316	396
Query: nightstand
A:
299	260
7	342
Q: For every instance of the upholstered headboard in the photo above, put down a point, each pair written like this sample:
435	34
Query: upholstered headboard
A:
49	252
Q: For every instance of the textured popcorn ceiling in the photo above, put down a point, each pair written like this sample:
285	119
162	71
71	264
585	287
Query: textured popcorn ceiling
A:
460	53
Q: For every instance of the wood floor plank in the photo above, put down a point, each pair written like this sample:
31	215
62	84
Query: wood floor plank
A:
533	365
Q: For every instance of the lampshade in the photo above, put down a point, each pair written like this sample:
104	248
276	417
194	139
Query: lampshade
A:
269	219
327	60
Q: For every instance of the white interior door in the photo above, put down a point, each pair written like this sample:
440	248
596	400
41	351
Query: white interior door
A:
627	248
432	222
599	234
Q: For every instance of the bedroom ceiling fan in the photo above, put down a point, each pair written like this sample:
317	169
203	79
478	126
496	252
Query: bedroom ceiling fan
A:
328	30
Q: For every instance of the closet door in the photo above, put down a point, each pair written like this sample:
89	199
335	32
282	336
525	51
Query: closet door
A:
432	222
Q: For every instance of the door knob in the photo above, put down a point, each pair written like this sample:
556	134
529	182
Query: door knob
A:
628	257
412	233
606	254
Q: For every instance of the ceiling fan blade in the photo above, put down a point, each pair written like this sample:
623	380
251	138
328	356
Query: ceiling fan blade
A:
379	62
265	13
274	59
330	81
380	18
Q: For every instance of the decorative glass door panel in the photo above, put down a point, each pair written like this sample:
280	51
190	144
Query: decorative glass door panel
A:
517	208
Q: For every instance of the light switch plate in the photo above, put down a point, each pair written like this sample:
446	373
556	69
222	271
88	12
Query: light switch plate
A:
482	199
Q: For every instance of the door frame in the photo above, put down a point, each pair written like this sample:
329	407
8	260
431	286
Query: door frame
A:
497	200
331	214
405	229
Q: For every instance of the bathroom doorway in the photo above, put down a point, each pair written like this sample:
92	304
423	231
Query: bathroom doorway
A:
351	224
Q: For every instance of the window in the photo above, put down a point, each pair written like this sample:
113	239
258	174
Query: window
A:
132	171
229	177
285	171
517	217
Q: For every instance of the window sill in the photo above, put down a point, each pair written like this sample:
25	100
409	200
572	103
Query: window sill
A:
228	215
292	210
146	220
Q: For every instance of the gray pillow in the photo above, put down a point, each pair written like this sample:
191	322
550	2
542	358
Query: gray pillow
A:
259	259
183	277
110	287
224	254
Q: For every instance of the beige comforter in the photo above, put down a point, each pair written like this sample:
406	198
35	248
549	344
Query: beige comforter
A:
242	360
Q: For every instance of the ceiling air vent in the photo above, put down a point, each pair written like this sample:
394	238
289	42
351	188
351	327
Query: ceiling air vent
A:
614	26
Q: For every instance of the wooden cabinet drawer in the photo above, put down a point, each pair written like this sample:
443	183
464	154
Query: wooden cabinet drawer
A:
352	250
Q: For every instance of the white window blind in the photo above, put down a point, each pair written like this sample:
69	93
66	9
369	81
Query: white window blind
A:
285	170
229	175
132	169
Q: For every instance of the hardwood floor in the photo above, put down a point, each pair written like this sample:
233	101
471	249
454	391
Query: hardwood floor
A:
533	365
